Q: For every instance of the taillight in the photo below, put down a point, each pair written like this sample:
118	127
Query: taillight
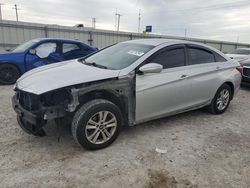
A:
240	69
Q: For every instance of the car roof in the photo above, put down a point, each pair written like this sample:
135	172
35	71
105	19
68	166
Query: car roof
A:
159	41
57	39
152	41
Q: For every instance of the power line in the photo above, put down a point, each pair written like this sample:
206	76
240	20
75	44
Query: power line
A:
218	6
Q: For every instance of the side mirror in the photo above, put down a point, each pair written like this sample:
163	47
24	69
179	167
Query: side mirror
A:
32	51
151	68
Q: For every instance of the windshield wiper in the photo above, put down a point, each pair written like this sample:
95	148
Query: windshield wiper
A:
95	65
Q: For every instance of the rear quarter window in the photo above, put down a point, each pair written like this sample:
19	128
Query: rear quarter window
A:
219	58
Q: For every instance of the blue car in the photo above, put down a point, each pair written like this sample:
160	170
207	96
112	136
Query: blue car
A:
39	52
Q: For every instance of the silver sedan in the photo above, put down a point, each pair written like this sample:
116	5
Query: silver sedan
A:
125	84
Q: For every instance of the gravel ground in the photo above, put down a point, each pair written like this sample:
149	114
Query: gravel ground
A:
203	150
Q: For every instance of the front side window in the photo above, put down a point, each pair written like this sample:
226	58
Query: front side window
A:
45	49
200	56
119	56
170	58
68	47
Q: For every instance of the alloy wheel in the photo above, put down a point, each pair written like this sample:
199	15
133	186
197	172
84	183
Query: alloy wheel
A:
101	127
223	99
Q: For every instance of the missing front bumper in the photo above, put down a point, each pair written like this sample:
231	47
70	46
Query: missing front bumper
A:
33	122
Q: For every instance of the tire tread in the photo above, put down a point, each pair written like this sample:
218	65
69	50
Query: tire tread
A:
80	113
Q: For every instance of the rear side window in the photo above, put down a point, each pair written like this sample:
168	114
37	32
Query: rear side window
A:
219	58
200	56
68	47
170	58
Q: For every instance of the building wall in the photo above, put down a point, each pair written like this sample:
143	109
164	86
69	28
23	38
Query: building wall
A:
14	33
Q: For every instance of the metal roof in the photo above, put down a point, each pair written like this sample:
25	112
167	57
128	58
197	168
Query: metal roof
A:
152	41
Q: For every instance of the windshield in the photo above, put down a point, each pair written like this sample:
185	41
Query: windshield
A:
118	56
241	52
23	47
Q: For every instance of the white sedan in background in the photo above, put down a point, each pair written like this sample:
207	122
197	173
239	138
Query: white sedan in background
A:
240	54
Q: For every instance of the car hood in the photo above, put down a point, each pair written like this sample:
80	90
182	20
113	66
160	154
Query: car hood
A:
3	52
6	56
58	75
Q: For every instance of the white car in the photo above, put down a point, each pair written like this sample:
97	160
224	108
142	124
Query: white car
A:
125	84
240	54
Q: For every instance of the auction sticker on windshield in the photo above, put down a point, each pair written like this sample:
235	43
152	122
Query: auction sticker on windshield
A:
136	53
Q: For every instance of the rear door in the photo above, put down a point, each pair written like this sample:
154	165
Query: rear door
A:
204	68
158	94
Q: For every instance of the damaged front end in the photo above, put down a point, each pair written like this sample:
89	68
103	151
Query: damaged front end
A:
34	111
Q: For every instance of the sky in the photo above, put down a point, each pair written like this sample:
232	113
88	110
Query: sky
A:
227	20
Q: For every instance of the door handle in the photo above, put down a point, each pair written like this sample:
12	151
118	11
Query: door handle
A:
183	76
218	68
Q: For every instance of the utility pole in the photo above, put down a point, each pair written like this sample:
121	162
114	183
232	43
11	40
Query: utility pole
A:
115	17
118	21
186	33
1	17
139	21
16	9
93	22
118	16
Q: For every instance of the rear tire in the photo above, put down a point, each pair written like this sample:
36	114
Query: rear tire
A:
96	124
8	74
221	100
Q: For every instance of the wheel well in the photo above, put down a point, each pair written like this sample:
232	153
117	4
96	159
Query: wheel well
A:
12	64
231	85
104	94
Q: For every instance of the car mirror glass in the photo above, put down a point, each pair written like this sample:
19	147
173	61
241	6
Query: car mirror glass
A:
32	51
151	68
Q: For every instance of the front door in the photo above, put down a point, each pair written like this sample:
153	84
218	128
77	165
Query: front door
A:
159	94
41	57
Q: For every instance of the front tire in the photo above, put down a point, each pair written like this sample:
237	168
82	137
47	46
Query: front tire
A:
8	74
221	100
96	124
